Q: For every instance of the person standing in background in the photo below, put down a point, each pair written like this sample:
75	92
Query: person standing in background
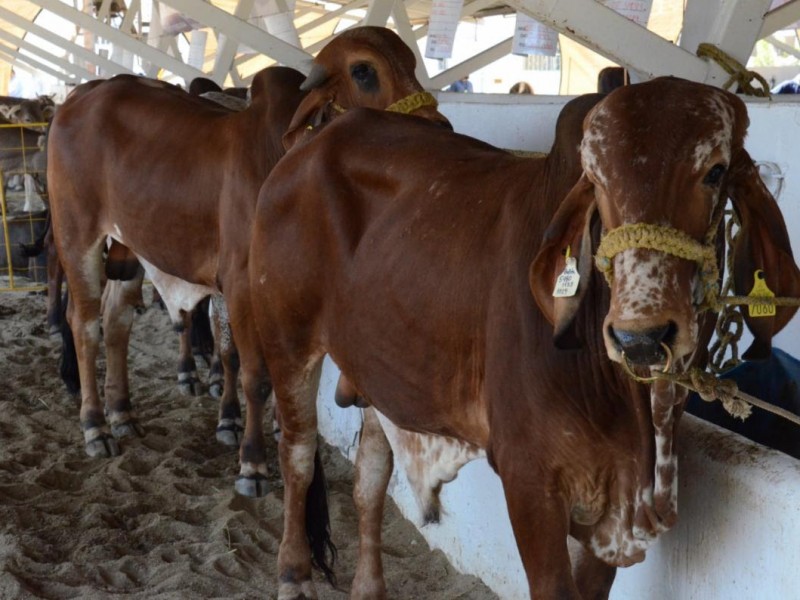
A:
463	85
521	87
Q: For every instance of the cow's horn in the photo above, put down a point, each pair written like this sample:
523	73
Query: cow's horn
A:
315	78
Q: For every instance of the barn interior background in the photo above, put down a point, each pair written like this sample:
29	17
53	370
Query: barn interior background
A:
558	47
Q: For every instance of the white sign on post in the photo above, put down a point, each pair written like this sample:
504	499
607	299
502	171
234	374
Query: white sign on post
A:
442	28
637	11
531	37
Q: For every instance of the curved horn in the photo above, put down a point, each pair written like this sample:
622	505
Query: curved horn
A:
315	78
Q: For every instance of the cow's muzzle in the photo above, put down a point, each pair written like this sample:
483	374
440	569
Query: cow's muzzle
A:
644	347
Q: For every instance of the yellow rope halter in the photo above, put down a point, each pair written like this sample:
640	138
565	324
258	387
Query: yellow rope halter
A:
663	239
679	243
412	103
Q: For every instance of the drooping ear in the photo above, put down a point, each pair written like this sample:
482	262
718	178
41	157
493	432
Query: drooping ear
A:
569	228
312	112
762	244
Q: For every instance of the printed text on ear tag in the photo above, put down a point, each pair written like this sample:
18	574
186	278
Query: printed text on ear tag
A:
760	290
567	282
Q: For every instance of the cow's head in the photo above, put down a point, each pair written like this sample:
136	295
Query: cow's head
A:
366	67
660	159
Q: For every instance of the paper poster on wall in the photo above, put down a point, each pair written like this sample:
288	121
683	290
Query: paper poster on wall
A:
531	37
442	28
637	11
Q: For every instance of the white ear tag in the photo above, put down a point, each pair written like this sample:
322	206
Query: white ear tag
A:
567	282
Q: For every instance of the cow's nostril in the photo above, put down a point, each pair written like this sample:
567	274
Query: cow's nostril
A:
644	347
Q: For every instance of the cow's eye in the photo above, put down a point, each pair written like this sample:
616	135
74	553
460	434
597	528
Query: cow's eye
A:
365	77
714	175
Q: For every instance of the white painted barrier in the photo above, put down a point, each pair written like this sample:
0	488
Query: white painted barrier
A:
739	503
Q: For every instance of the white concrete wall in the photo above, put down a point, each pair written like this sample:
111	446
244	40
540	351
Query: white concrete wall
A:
739	503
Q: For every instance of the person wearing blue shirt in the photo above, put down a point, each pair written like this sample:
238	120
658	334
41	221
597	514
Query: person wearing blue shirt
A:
463	85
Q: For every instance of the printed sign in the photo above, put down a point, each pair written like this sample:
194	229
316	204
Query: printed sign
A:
442	28
531	37
637	11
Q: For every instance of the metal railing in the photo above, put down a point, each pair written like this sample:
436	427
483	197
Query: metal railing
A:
22	207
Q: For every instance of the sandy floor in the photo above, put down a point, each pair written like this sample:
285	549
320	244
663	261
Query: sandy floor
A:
161	520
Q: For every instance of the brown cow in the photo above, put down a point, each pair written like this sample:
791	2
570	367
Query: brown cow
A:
130	159
424	263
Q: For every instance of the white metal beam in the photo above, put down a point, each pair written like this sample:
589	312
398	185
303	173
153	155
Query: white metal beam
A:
780	18
615	37
466	67
345	8
67	66
406	33
13	58
61	42
378	13
782	46
227	46
148	53
252	36
731	25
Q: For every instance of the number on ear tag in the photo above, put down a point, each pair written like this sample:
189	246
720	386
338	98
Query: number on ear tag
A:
567	282
760	290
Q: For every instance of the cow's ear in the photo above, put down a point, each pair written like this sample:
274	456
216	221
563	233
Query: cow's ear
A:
313	111
569	231
762	246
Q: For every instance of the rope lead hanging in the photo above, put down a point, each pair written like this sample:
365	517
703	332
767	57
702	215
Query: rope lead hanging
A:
737	71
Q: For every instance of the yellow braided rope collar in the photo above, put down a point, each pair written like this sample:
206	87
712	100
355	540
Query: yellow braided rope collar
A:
664	239
737	71
412	103
406	105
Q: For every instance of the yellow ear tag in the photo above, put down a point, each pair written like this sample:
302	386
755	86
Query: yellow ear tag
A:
567	282
760	290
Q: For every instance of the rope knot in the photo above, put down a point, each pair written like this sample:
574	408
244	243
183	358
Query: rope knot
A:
737	71
709	388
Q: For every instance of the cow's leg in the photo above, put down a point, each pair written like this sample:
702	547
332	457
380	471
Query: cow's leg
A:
225	374
118	308
592	576
83	316
188	381
373	470
296	401
540	520
55	279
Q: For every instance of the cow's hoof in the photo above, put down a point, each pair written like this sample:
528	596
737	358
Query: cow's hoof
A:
215	389
127	429
297	591
229	432
189	384
102	446
252	486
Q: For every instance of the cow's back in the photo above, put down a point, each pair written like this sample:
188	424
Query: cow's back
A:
141	160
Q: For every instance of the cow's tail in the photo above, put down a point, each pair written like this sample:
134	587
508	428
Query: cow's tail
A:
201	336
318	523
37	247
68	367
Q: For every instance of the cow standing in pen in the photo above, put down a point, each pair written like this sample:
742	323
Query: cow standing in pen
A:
186	217
425	264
